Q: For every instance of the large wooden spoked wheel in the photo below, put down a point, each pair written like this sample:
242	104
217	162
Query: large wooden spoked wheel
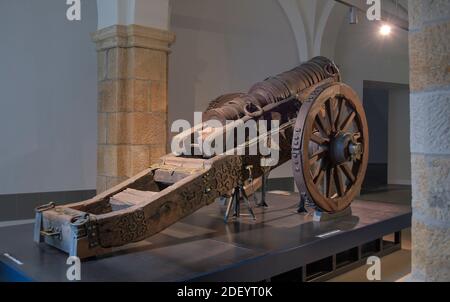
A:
330	147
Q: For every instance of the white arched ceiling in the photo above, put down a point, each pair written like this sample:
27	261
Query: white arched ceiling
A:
315	24
330	26
292	12
154	13
322	26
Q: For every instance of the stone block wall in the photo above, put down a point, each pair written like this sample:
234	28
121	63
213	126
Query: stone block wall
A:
429	44
132	100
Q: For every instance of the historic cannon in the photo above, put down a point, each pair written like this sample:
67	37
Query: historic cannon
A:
321	126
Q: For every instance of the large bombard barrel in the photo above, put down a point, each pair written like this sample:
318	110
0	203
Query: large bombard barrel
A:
272	90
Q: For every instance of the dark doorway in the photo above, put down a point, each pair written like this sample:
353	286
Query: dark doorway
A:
387	110
376	105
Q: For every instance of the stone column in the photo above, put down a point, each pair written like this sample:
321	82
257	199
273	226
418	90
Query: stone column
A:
132	100
429	46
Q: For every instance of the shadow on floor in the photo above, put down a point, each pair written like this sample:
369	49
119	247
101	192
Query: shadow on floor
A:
388	193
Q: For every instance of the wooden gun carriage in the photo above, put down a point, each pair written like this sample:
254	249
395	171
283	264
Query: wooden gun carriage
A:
322	128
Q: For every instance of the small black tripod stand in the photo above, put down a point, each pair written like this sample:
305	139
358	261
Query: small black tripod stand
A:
235	203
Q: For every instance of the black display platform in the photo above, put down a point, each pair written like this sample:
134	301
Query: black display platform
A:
279	245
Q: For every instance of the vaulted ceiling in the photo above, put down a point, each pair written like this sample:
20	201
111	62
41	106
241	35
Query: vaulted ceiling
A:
316	23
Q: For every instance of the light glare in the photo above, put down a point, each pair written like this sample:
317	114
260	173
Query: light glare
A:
385	30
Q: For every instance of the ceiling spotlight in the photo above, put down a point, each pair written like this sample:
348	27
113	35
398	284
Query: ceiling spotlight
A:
385	30
353	15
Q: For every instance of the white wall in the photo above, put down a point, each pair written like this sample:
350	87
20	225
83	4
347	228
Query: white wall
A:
48	97
225	46
331	30
154	13
362	54
399	155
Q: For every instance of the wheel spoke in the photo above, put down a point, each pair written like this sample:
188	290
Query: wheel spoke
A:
318	139
340	187
314	169
348	121
341	106
324	123
330	113
319	176
348	173
329	180
319	127
317	156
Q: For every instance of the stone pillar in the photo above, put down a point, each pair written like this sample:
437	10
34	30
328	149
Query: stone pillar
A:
132	100
429	46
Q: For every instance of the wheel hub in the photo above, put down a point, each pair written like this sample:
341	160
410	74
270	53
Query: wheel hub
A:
344	148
